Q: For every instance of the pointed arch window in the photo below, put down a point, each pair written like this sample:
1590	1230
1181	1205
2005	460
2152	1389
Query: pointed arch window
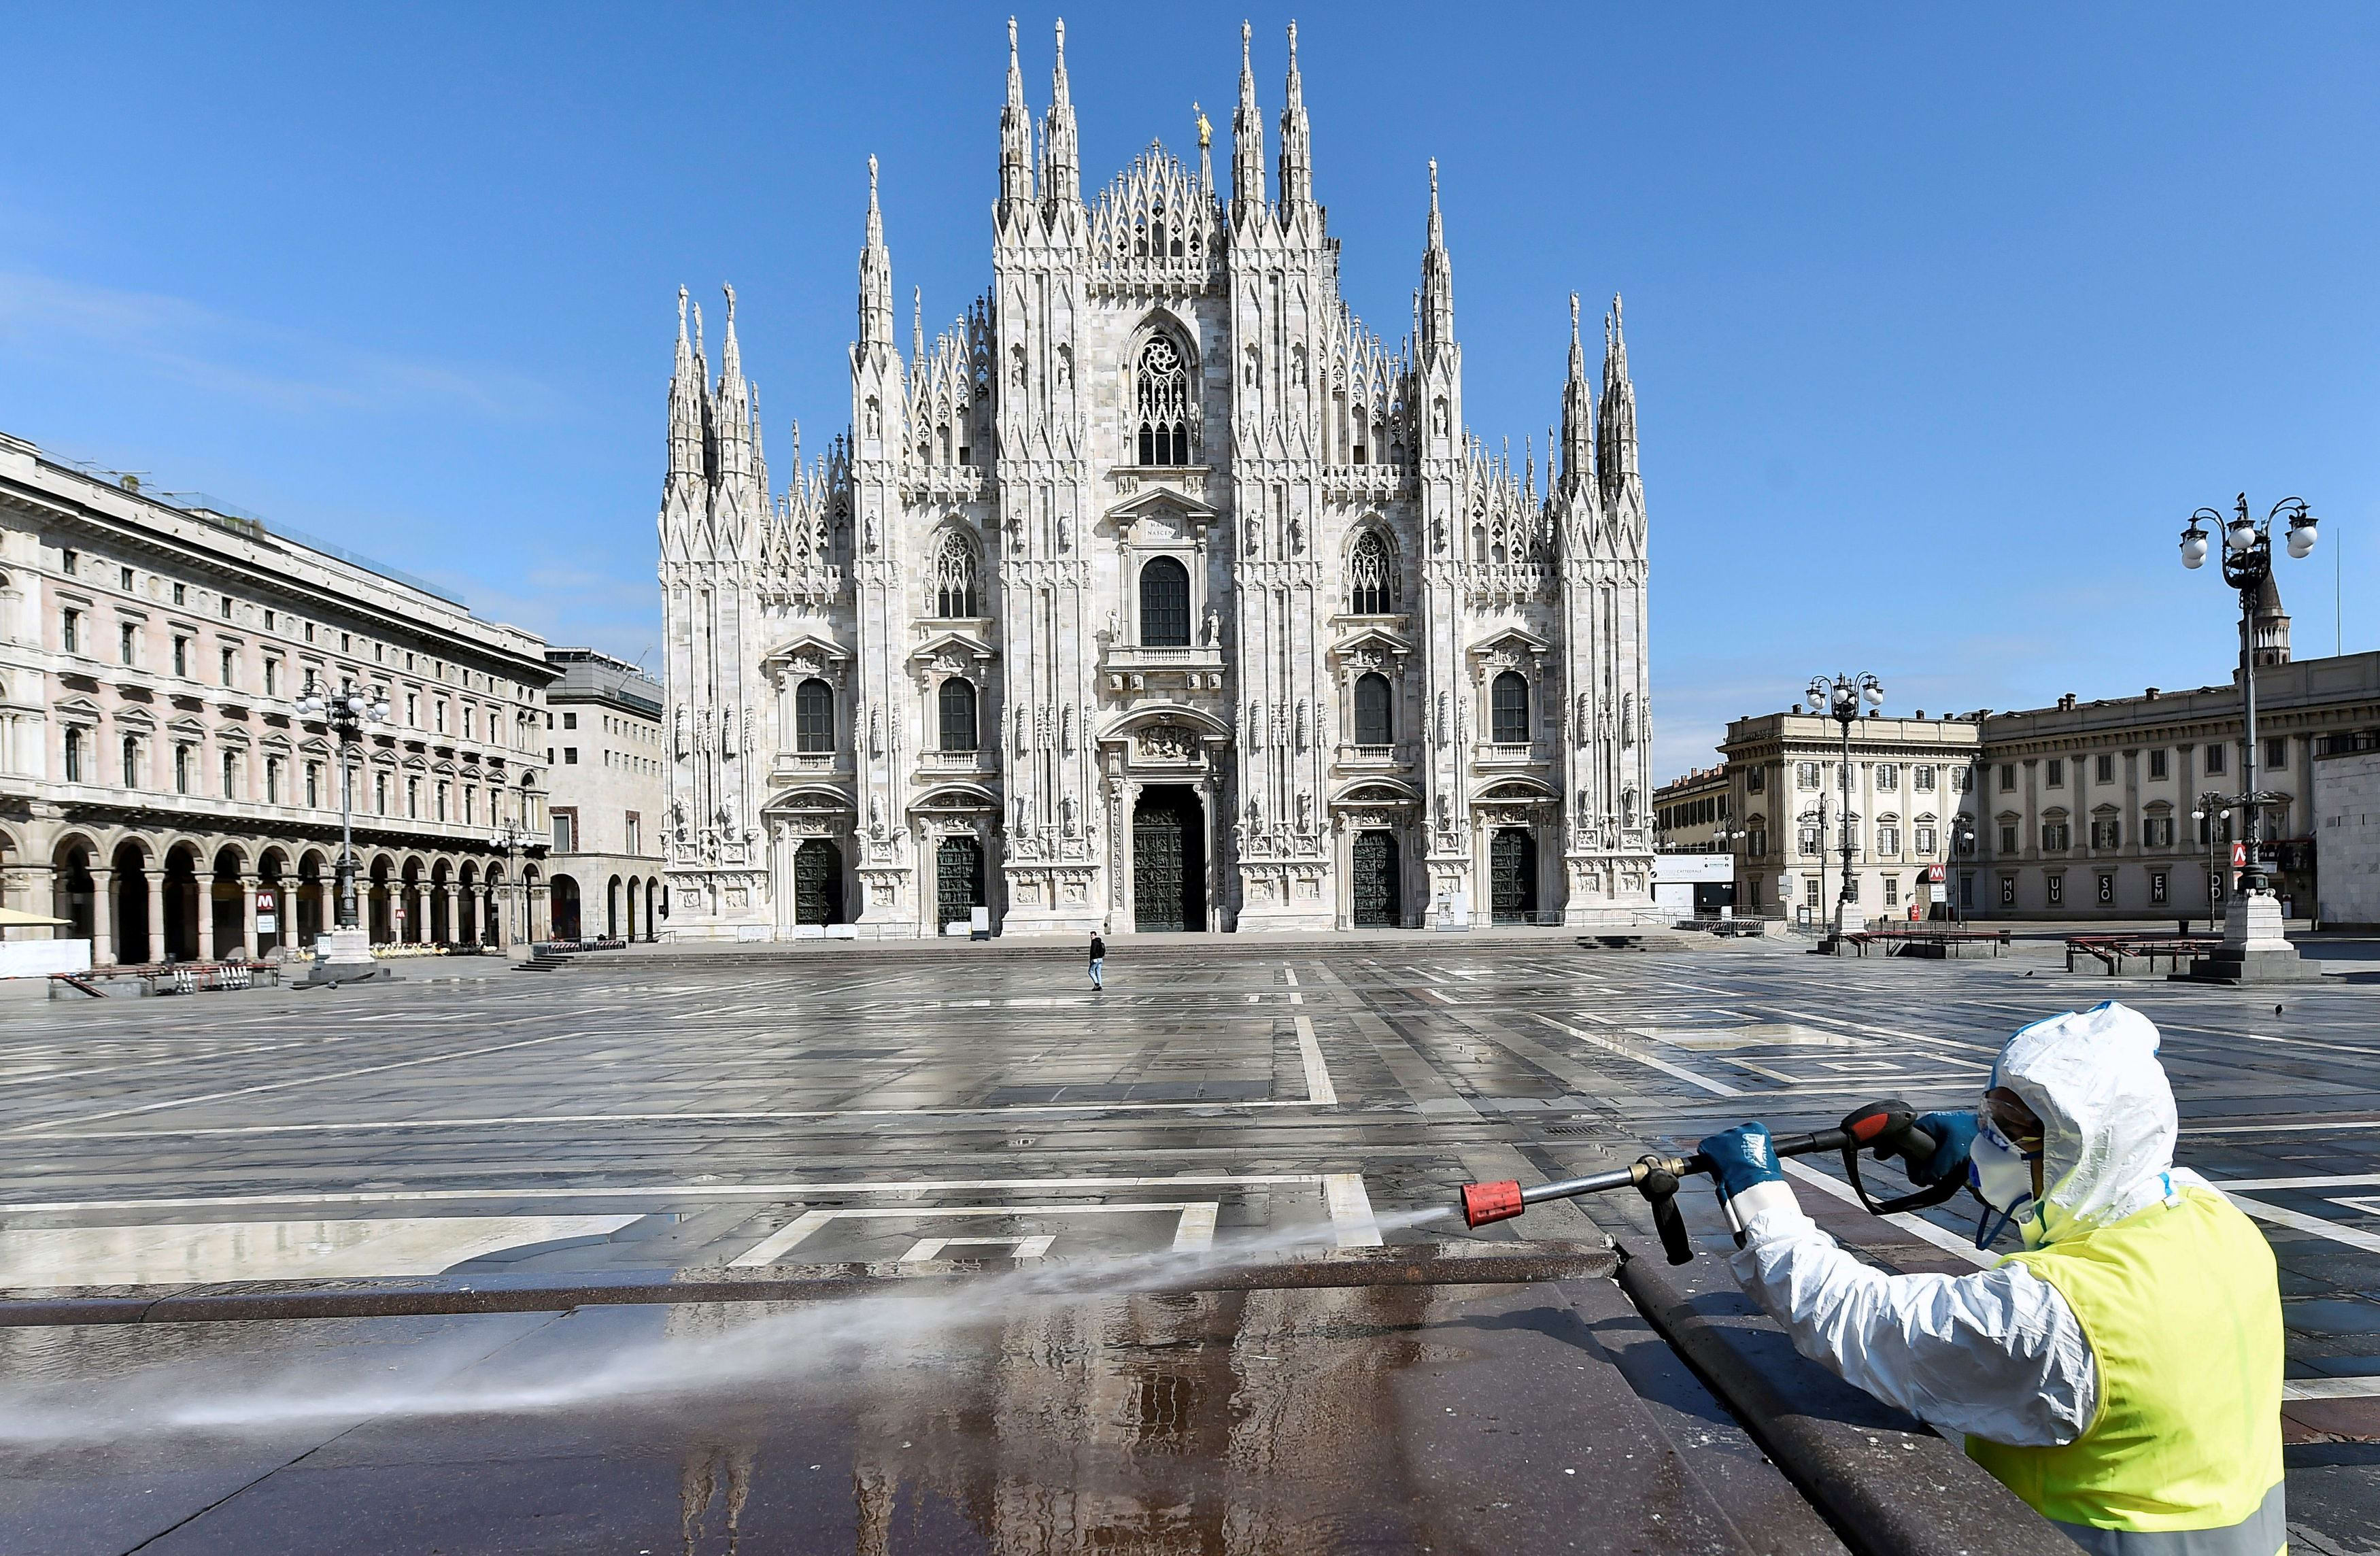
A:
958	722
813	716
1375	722
954	577
1372	577
1508	708
1164	604
1161	404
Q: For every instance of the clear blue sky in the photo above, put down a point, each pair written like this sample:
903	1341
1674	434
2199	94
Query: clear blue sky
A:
1942	319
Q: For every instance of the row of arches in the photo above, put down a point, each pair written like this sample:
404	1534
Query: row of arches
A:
142	900
623	907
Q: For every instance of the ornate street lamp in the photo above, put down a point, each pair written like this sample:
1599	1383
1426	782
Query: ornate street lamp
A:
2211	806
1842	698
513	837
346	712
2254	947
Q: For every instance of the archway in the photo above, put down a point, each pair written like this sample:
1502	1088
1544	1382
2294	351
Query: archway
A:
563	907
313	893
656	908
227	914
130	884
634	885
466	905
818	882
1513	875
503	916
1376	883
440	916
414	926
1169	860
612	908
381	899
74	893
181	936
273	881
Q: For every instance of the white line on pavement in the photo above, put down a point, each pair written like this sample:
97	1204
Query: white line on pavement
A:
1915	1225
666	1191
1716	1087
1350	1210
1318	1089
2259	1186
772	1248
2188	1128
2353	1237
2364	1387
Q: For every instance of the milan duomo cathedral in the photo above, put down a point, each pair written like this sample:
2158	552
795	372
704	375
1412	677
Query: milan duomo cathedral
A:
1155	593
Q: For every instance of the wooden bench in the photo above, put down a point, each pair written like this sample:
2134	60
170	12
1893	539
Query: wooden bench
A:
2111	952
1935	944
168	977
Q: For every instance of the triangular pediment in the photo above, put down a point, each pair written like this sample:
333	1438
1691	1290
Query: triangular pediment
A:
805	653
1510	645
954	648
1377	643
1162	512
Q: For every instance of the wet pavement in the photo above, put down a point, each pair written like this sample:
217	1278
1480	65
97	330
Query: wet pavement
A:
1221	1097
1390	1419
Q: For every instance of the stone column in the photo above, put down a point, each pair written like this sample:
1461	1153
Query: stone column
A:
1127	914
248	886
446	889
157	913
206	913
102	915
1343	871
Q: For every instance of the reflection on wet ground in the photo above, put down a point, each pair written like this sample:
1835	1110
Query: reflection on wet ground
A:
1360	1419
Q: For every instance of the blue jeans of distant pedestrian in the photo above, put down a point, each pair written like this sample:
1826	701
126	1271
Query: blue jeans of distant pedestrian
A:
1096	962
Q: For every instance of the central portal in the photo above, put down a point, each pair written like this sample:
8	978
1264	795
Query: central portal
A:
1169	860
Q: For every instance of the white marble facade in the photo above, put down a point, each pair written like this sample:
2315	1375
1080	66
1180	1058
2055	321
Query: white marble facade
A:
1155	592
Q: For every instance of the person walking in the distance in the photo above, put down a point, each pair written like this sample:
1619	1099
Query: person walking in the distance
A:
1099	955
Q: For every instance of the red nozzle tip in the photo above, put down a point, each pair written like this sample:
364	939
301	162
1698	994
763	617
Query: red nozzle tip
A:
1485	1202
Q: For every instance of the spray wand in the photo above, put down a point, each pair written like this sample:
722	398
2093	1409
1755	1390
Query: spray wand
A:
1888	1129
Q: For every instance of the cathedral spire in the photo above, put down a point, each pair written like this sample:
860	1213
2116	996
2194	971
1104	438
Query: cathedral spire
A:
1616	442
875	276
1015	137
1296	138
917	325
1062	158
1247	140
1577	417
685	407
1437	277
734	415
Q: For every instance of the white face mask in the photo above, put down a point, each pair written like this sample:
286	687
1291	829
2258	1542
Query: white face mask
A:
2001	1176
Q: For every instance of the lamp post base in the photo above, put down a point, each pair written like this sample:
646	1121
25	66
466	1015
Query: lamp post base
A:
2253	950
344	956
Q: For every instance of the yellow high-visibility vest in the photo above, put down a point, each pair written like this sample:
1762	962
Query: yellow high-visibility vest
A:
2182	1307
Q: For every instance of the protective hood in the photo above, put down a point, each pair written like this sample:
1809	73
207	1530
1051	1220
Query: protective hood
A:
2107	1111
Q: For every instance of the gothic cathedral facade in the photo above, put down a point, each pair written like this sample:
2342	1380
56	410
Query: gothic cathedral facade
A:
1156	594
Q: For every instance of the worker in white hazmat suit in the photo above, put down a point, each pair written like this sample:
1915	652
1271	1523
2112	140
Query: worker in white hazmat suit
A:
2123	1373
